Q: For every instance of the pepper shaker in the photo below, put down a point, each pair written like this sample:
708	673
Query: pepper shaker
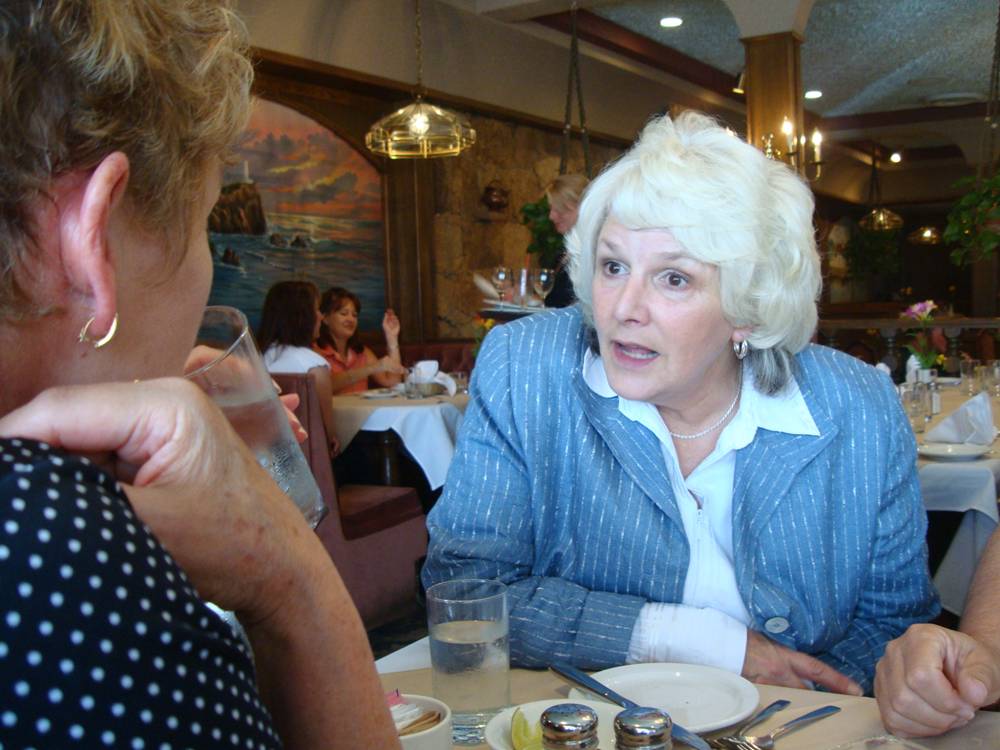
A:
643	727
569	725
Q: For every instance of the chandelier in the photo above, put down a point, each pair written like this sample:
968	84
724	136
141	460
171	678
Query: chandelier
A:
880	218
420	130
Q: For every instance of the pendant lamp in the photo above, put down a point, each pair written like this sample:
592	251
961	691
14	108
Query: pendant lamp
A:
880	218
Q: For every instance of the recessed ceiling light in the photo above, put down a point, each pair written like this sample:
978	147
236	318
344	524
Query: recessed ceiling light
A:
671	22
813	94
895	157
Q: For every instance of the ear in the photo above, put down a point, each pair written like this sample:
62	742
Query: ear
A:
89	206
741	334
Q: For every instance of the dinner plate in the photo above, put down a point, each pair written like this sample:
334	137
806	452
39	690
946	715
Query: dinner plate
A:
380	393
945	380
700	699
497	731
952	451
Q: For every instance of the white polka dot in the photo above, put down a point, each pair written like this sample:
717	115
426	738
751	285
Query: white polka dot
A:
76	731
146	715
18	504
44	536
87	702
107	515
65	666
79	523
56	599
23	484
158	662
127	682
13	619
76	637
66	571
115	619
108	737
195	728
106	535
121	592
178	696
11	527
95	582
3	650
97	674
87	608
4	552
53	494
49	513
24	589
117	709
130	548
35	561
102	556
140	628
153	689
21	688
172	722
81	503
165	637
74	545
137	743
105	646
55	695
34	658
8	718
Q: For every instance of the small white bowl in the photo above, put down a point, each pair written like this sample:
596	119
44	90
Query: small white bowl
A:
437	737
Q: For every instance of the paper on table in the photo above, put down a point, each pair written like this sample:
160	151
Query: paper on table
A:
972	422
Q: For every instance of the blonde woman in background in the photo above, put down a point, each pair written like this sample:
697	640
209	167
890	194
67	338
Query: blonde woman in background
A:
564	194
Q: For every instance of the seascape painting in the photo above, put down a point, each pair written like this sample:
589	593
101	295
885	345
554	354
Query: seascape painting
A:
298	202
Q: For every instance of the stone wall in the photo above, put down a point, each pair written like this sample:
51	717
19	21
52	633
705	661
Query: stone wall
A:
467	237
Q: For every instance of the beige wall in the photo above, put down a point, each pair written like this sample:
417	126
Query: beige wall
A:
520	67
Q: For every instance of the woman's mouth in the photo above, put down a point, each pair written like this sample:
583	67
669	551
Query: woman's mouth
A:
633	353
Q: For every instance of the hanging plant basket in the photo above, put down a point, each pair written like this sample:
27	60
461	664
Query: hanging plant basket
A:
973	226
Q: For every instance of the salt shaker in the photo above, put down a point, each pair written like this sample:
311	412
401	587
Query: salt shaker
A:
569	725
648	728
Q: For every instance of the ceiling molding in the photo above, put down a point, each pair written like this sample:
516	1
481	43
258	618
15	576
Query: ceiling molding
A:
903	117
603	33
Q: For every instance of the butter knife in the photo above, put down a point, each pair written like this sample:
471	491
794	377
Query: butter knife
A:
582	679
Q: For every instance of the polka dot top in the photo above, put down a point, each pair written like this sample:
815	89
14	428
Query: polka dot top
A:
103	641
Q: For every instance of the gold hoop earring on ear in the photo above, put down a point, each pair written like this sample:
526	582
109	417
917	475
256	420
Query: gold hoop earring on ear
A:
741	349
104	339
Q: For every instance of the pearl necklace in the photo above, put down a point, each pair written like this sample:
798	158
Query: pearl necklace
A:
718	424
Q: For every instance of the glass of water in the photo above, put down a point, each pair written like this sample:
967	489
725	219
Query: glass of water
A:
470	652
542	280
916	398
228	367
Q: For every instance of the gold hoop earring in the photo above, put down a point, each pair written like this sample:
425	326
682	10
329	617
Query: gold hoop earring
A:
104	339
741	349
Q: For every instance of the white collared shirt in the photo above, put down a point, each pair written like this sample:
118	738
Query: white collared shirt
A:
709	625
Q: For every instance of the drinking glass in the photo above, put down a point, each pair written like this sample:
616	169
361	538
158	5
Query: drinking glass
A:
542	280
229	368
967	369
916	398
470	653
503	280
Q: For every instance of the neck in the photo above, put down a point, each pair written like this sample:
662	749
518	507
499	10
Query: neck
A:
705	417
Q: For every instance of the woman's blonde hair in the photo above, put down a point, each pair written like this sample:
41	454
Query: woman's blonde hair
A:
565	191
730	207
166	82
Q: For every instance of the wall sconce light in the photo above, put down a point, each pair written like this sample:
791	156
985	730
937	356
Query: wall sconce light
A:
741	79
796	152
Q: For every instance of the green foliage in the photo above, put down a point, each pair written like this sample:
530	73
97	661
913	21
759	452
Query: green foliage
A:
872	253
974	222
545	240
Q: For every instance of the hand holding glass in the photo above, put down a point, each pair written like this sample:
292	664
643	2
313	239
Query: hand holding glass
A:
228	367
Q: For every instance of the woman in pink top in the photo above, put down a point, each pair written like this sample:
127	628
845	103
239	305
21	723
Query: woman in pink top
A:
352	363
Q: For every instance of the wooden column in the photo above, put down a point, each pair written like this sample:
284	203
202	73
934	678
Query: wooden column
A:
773	86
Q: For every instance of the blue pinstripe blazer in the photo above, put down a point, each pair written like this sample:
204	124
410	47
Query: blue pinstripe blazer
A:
556	493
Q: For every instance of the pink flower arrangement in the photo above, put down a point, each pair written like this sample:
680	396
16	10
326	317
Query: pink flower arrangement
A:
921	345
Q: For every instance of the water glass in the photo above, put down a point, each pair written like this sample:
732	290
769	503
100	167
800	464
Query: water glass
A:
916	398
468	624
542	281
503	280
967	369
229	368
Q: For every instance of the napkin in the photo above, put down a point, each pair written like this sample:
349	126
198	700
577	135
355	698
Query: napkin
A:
485	287
424	371
972	422
447	381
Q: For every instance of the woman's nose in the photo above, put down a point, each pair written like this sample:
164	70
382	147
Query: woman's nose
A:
631	306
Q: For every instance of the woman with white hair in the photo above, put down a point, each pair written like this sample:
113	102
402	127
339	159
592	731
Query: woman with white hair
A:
669	471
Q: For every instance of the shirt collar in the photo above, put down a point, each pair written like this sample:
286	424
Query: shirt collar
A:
785	411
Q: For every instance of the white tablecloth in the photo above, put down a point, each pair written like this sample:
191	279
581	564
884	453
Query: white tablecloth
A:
428	426
968	487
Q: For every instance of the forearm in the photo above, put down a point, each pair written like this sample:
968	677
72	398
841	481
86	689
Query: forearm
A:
388	379
981	618
315	669
341	380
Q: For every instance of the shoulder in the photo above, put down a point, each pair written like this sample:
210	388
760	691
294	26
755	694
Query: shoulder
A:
838	382
555	337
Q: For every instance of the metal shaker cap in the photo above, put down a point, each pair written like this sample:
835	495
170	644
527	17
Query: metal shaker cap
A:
643	727
569	725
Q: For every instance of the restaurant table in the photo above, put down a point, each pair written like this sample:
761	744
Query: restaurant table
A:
967	487
427	426
858	718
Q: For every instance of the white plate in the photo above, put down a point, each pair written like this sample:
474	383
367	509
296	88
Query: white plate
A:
380	393
945	380
952	451
700	699
498	729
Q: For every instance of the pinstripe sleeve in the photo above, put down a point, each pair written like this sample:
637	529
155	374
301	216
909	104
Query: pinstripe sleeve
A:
483	527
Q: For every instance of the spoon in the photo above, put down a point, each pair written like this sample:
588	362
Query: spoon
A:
582	679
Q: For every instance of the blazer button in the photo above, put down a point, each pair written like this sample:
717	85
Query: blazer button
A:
776	625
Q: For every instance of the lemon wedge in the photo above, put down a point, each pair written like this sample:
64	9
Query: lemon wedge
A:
524	736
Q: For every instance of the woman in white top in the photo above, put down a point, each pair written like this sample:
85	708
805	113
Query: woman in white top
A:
289	324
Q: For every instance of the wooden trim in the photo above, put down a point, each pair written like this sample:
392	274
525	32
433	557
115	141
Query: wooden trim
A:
312	75
903	117
609	35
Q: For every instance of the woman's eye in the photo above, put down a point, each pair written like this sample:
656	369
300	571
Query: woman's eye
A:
613	268
674	279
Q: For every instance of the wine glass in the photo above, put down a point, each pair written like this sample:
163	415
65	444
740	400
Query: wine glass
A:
503	280
542	281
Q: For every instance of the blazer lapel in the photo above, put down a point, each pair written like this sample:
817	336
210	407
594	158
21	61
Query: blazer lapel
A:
636	449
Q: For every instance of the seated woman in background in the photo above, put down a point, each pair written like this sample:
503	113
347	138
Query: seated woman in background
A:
564	194
126	499
352	364
289	323
669	471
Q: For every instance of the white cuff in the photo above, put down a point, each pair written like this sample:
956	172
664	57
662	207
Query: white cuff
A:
679	633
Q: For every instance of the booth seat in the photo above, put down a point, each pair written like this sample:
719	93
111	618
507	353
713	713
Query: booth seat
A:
375	535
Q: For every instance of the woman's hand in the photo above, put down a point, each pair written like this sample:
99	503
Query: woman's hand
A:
390	327
190	478
773	664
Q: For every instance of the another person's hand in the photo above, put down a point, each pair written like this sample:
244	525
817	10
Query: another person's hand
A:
386	364
390	326
191	479
773	664
290	401
932	679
